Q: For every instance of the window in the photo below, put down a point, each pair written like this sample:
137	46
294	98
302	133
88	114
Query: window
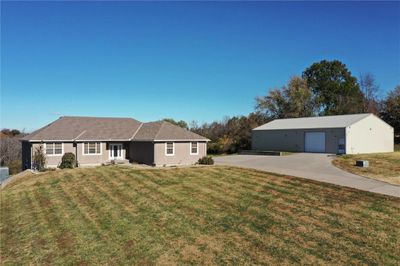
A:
169	149
194	148
90	148
54	148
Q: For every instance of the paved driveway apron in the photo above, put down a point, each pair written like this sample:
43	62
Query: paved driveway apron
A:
311	166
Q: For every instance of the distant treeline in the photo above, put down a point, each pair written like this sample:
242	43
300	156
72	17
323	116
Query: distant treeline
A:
324	88
10	149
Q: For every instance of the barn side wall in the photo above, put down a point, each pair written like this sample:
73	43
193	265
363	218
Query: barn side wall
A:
292	140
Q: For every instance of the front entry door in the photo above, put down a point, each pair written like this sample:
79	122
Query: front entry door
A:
115	151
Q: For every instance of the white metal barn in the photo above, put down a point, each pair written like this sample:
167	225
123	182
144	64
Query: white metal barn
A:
349	134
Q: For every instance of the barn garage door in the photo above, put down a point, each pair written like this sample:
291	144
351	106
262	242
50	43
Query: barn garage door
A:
314	142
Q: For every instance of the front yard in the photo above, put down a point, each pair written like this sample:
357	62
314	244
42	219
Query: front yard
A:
383	166
202	215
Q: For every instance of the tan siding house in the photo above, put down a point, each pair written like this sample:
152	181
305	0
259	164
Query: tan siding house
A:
146	156
343	134
182	153
95	141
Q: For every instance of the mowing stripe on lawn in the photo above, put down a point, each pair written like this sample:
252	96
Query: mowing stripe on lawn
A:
242	221
210	215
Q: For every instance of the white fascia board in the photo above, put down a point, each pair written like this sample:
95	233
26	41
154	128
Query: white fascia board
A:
182	140
99	140
50	140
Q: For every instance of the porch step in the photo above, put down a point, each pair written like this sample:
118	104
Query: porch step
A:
118	161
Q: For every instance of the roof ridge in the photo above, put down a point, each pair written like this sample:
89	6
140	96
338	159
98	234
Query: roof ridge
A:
153	122
37	131
137	130
321	116
159	130
332	121
102	117
361	118
74	129
83	132
185	130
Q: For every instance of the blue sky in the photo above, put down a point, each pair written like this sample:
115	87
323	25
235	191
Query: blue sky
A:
185	60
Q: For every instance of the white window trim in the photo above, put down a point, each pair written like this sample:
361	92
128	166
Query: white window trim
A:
92	154
173	148
53	155
197	153
110	151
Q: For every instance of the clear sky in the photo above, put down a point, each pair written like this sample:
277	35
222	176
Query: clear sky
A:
185	60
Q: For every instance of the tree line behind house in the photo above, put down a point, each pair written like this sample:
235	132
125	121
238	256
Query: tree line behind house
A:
324	88
11	149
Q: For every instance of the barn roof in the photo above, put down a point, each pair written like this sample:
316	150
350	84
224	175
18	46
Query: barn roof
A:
334	121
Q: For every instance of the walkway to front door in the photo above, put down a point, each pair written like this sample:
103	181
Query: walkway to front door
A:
115	151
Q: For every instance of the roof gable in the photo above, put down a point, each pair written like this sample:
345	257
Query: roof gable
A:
148	131
164	131
169	131
334	121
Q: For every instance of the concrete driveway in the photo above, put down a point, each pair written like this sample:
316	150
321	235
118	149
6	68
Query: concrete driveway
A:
311	166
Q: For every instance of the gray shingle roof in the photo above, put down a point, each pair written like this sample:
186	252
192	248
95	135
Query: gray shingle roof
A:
74	128
162	130
334	121
86	128
148	131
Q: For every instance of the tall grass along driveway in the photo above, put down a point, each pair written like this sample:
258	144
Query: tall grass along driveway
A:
383	166
211	215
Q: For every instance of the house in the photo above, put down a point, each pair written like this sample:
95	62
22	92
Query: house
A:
343	134
98	140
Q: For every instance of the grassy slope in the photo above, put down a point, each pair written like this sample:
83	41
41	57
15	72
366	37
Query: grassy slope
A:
210	215
383	166
396	147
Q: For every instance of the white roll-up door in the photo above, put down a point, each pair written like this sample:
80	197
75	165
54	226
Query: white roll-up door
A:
314	142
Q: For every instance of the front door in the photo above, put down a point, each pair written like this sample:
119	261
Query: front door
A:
115	151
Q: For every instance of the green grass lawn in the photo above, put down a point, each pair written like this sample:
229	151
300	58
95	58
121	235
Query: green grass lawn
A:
200	215
397	147
382	166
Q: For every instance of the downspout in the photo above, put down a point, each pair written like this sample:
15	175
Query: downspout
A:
76	146
76	153
31	148
154	153
346	142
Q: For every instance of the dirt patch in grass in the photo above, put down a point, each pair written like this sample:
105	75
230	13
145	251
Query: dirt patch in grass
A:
382	166
211	215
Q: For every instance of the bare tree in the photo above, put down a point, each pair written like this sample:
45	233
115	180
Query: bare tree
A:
294	100
10	150
274	104
39	158
390	110
370	90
